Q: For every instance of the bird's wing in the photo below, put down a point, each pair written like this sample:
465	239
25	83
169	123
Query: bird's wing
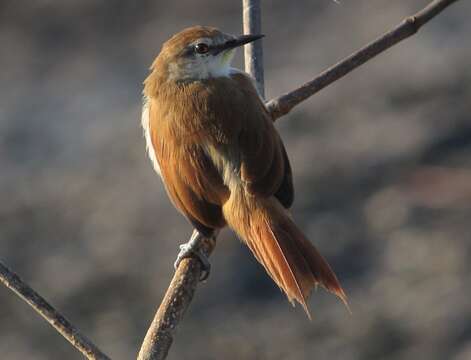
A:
189	142
265	167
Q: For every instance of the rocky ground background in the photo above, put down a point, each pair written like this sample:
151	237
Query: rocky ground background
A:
382	163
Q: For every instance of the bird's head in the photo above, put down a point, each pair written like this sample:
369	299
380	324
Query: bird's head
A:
198	52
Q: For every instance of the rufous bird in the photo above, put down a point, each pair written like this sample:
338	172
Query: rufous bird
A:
222	161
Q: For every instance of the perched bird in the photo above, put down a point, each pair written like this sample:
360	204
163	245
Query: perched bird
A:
212	141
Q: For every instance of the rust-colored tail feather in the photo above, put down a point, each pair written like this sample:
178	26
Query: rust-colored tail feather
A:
289	258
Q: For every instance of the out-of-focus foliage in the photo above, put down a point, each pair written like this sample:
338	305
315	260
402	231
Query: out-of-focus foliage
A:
382	163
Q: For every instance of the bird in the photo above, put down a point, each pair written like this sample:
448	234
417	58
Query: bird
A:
222	162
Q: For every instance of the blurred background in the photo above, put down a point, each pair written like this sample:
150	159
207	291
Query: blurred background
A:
382	163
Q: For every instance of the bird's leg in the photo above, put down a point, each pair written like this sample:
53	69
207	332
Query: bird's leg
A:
192	248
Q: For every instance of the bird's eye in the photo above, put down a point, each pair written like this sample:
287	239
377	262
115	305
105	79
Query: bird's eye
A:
201	48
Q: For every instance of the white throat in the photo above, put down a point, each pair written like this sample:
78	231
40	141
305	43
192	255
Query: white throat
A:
203	67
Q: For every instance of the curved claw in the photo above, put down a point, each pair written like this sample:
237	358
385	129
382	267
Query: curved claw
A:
205	265
190	249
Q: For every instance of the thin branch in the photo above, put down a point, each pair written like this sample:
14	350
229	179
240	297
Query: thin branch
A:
52	316
253	52
408	27
159	337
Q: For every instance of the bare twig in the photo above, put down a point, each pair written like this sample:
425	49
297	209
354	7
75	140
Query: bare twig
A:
53	317
408	27
159	337
253	52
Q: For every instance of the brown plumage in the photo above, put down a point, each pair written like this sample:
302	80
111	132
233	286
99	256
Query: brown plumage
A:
222	160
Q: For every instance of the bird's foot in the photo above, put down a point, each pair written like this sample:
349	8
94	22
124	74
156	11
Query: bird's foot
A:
192	249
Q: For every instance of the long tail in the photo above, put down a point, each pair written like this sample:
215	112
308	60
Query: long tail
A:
289	258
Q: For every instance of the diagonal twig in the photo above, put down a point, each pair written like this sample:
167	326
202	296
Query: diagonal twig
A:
159	337
53	317
283	104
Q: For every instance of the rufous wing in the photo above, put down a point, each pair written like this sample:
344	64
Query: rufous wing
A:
265	167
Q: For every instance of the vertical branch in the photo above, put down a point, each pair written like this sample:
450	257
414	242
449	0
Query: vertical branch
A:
253	52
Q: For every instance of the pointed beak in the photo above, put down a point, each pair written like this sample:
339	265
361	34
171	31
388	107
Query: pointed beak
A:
236	42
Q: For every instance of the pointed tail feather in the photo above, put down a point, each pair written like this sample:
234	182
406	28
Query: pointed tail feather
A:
288	257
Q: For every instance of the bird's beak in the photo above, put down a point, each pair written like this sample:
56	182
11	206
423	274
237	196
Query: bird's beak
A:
236	42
